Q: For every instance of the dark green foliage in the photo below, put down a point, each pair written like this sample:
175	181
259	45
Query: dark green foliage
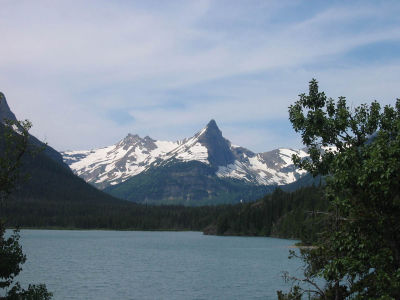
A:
49	180
34	292
358	253
280	214
185	183
295	294
105	214
11	257
306	180
14	147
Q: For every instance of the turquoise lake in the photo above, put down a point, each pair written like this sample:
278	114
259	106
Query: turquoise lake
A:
155	265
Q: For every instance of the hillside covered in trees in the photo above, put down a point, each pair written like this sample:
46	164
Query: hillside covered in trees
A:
279	214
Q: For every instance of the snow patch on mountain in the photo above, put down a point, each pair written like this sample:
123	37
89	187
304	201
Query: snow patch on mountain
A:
236	170
269	168
116	163
134	155
189	149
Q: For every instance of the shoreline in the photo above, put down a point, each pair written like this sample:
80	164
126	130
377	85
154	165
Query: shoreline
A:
303	247
295	245
100	229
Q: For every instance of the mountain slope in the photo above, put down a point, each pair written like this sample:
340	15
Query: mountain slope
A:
116	163
208	169
207	146
191	183
49	178
133	155
7	115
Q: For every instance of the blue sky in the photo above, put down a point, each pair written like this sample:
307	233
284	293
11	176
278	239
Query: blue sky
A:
86	73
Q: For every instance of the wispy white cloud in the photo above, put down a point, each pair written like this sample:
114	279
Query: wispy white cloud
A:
73	67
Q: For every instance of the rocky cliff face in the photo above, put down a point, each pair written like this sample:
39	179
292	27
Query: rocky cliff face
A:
218	148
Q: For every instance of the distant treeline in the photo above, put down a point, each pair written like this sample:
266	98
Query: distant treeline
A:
279	214
118	215
50	196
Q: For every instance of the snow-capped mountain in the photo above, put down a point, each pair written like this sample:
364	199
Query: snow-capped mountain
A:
207	146
114	164
133	155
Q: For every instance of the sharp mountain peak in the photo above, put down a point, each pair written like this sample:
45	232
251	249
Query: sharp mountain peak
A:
219	148
135	155
212	127
212	124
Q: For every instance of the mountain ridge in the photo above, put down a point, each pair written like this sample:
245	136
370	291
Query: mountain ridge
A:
112	165
49	180
7	115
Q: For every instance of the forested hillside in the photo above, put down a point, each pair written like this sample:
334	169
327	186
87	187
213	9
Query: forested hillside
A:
40	175
186	183
280	214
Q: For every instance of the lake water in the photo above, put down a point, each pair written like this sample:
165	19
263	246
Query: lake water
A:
155	265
